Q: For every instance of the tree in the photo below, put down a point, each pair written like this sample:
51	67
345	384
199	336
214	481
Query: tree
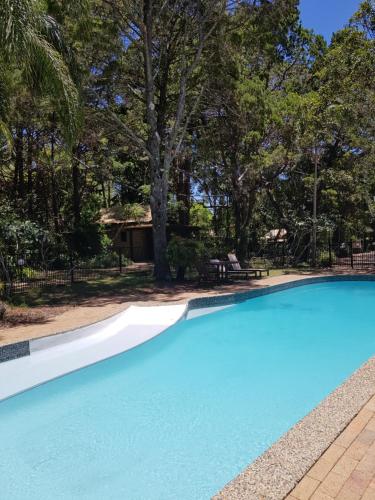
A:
251	136
169	38
30	39
209	111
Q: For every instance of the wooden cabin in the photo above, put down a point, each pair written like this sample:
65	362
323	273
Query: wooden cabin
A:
133	234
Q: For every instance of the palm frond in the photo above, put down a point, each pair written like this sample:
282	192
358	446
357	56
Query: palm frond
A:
16	16
32	39
49	74
6	134
4	97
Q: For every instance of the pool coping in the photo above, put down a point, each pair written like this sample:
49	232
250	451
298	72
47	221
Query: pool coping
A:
275	473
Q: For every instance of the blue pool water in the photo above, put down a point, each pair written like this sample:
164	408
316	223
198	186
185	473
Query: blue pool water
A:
181	415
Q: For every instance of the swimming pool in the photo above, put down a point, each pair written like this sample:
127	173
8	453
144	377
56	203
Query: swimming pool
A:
181	415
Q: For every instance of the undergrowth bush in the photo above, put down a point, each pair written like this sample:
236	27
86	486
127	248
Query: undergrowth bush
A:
185	253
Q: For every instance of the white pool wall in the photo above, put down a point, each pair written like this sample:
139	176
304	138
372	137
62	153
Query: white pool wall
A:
57	355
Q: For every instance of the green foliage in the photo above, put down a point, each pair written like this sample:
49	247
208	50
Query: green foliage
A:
106	261
89	239
145	191
265	99
130	211
185	253
200	216
18	237
25	38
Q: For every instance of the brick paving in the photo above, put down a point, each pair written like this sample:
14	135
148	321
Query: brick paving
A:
346	471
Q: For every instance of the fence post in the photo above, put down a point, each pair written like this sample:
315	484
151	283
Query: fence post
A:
5	279
351	255
8	289
71	265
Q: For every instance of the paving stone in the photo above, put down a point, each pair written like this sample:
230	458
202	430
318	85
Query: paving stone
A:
305	488
369	494
371	424
320	496
323	466
367	464
355	486
366	437
331	485
371	405
354	428
345	466
357	450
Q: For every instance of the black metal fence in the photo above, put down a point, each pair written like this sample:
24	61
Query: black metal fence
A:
282	254
18	274
353	254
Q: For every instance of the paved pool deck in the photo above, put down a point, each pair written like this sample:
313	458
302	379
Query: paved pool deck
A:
346	471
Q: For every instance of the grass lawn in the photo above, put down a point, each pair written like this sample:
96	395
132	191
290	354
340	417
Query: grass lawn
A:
84	290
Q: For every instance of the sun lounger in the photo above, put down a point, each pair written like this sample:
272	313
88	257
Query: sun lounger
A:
237	270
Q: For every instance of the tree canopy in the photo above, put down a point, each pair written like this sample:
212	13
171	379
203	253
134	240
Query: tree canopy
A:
213	113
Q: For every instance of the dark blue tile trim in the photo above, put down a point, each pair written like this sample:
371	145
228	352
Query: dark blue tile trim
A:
14	351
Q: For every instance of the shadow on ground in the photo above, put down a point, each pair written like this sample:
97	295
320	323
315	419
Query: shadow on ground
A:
138	285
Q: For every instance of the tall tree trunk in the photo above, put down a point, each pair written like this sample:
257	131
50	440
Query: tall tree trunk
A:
30	204
183	192
158	203
43	193
21	169
55	205
243	205
18	179
103	192
241	229
109	193
159	172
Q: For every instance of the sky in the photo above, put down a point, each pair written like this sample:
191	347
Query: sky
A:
327	16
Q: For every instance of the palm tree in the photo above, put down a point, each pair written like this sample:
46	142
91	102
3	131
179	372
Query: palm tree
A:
31	41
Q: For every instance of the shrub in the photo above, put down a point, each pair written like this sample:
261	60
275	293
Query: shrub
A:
89	239
324	259
107	261
184	253
201	216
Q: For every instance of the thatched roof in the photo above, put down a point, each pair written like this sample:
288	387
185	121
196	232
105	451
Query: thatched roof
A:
276	235
127	215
